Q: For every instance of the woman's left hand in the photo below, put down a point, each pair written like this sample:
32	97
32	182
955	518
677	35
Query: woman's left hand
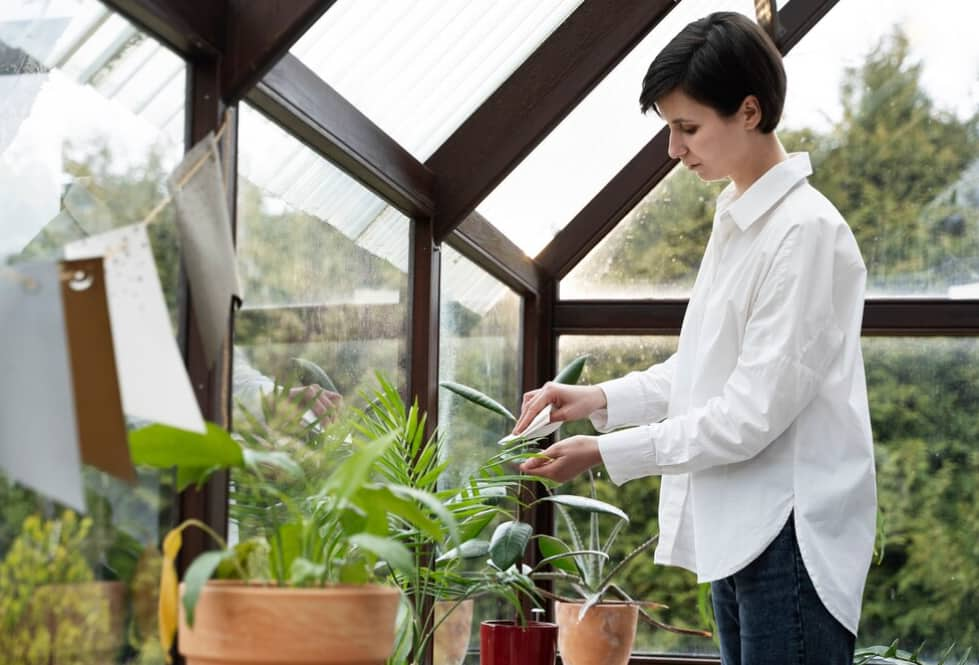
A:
566	459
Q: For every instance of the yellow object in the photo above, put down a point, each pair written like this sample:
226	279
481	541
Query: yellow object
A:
169	590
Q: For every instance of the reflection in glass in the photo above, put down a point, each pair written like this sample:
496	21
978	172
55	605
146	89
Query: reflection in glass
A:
91	122
419	69
324	271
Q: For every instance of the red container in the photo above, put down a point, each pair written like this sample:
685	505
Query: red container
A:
509	643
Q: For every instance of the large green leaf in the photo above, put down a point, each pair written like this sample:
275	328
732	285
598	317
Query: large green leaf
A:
391	551
199	572
471	549
477	398
275	460
354	472
551	547
509	542
571	372
586	503
162	447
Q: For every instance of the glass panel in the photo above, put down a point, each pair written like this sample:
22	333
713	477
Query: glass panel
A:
923	403
419	69
591	145
888	114
323	263
612	357
479	346
923	396
85	146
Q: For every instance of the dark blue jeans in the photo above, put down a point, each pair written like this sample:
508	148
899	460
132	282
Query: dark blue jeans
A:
769	613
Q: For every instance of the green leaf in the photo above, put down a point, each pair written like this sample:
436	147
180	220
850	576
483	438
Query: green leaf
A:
353	473
477	398
586	503
550	548
471	549
394	553
287	544
509	542
305	573
193	475
162	447
571	372
309	373
274	460
198	574
448	520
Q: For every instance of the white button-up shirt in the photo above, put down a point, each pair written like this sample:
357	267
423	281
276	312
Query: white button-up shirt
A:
762	410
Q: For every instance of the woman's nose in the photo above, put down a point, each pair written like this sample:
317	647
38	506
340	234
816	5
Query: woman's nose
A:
676	148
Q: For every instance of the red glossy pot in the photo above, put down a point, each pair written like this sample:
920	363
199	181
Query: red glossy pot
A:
509	643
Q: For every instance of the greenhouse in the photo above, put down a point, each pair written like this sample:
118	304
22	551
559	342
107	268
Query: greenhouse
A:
283	285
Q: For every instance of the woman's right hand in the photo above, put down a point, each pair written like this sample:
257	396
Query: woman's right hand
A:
568	402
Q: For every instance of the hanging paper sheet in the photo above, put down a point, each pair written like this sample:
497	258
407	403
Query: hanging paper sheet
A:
197	188
101	424
38	437
152	378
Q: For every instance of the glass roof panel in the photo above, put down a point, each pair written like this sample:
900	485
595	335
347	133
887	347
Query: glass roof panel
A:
597	139
80	87
418	69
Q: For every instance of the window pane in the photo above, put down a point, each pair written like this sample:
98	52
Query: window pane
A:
923	399
597	139
85	146
419	69
887	113
924	586
612	357
324	270
479	346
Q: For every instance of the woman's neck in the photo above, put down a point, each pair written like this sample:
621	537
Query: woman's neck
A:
766	152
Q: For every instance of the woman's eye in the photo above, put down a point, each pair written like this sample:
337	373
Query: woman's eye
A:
688	130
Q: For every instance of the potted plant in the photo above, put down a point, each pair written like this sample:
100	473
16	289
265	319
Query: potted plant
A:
584	565
307	585
440	590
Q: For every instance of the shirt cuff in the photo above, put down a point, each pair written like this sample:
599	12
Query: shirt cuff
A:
629	454
620	394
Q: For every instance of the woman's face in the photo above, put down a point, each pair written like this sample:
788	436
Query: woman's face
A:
708	144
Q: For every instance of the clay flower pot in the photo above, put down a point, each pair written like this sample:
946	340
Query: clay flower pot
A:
604	637
509	643
237	623
452	635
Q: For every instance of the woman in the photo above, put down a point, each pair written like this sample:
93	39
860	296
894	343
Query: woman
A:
759	422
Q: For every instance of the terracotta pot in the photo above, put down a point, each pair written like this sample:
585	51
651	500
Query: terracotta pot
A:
236	623
452	635
604	637
509	643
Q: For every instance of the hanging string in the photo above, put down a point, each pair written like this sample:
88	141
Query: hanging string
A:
187	177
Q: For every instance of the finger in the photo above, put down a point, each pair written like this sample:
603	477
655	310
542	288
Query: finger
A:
530	411
530	465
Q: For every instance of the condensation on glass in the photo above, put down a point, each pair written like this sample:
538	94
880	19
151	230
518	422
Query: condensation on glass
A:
91	123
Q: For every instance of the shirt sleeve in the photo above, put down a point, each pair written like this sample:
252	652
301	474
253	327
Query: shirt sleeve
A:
791	339
636	398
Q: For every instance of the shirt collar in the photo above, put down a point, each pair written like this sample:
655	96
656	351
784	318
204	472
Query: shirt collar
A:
764	192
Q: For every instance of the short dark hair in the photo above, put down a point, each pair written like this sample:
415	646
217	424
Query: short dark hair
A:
718	61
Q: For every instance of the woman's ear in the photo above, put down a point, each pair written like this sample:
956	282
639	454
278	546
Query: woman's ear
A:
751	112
